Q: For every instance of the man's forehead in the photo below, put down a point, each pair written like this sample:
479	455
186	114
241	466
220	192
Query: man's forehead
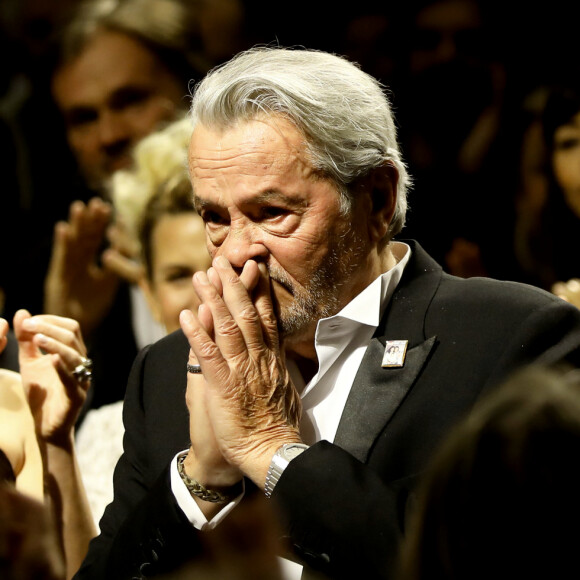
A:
272	134
251	154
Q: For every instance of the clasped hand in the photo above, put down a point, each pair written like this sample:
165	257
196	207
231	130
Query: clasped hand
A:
245	406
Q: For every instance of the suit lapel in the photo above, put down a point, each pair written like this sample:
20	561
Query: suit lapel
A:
377	392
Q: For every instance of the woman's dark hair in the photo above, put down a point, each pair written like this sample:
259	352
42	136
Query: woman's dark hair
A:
500	499
557	227
562	104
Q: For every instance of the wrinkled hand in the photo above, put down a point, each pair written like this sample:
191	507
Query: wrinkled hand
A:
569	291
205	461
252	405
50	348
76	285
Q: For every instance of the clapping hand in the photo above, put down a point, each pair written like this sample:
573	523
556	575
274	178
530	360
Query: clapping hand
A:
77	284
51	353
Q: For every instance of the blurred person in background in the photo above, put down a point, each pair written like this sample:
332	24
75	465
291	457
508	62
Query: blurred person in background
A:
123	70
548	226
38	181
451	92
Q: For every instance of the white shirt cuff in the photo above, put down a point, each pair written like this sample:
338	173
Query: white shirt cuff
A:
189	506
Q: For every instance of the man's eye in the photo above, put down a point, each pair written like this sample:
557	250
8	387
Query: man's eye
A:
272	212
212	217
80	117
128	97
569	143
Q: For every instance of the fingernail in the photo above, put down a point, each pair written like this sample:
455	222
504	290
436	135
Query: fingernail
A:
185	316
29	324
201	278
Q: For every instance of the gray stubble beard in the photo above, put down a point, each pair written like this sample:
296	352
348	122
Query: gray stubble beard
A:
320	299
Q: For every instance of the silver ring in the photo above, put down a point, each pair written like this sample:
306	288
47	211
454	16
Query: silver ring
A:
83	371
194	369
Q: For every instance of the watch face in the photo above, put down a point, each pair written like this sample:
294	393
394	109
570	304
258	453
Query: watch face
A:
291	451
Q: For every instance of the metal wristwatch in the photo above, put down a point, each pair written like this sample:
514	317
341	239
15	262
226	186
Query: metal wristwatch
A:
279	462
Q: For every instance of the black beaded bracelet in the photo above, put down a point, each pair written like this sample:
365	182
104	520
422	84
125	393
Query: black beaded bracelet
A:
199	490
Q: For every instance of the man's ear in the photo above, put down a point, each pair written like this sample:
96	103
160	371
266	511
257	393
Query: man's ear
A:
382	189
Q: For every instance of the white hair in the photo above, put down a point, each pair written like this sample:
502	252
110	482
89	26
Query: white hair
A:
343	113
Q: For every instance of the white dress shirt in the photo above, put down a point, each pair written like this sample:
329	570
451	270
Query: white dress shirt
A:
341	341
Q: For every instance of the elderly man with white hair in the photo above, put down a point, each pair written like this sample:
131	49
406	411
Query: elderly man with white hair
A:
278	384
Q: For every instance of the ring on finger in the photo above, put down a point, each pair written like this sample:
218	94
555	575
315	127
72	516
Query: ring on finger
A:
194	369
83	371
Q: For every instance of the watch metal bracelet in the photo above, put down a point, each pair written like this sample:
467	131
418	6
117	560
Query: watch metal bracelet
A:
279	462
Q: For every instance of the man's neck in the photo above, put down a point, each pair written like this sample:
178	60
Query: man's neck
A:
307	367
303	353
303	350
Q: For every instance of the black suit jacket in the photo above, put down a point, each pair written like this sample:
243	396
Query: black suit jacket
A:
342	504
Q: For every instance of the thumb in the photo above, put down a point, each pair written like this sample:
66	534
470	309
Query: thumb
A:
18	320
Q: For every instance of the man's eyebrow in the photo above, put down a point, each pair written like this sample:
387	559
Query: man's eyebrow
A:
274	195
201	202
266	197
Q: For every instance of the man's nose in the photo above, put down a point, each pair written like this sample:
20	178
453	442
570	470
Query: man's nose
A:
113	129
243	242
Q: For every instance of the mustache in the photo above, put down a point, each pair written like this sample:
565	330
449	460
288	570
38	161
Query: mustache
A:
278	275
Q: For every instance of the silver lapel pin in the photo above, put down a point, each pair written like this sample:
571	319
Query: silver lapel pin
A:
395	352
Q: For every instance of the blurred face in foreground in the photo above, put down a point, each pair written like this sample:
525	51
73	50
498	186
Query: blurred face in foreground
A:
177	252
112	95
